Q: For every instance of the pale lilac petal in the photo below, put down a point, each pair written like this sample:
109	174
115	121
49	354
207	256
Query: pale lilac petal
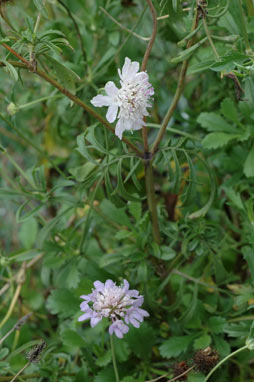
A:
84	317
86	297
98	285
111	89
94	321
109	284
101	100
135	323
84	305
111	113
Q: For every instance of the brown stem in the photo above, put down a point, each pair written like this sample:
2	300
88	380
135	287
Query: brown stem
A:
68	94
179	90
151	199
144	63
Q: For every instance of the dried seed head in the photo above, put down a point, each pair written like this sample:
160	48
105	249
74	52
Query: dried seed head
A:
205	359
22	321
34	354
180	368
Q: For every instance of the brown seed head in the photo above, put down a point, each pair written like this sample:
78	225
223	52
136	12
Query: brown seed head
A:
205	359
179	368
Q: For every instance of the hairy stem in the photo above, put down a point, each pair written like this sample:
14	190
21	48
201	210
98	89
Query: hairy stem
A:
144	63
114	359
76	27
178	93
68	94
151	199
244	30
209	35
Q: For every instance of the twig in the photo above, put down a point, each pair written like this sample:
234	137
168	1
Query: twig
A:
178	93
20	281
17	326
76	27
173	379
68	94
20	371
208	33
122	26
144	63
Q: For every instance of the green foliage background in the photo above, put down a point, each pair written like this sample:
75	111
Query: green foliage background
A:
73	197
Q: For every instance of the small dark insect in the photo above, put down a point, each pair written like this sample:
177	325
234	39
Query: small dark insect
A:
34	354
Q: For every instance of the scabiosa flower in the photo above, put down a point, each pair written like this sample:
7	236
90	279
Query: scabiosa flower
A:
118	303
129	103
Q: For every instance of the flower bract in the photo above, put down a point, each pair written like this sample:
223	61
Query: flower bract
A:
119	304
129	103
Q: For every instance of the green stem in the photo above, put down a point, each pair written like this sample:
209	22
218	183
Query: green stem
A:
114	359
151	199
224	360
244	30
179	90
209	37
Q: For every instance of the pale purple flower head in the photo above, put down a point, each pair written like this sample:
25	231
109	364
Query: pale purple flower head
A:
118	303
129	103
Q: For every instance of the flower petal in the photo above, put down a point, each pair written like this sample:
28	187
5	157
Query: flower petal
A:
101	100
111	113
111	89
84	317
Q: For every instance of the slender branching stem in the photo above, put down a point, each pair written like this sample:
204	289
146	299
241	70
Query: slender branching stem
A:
68	94
224	360
144	63
76	27
244	29
150	193
122	26
217	57
114	359
179	90
7	378
173	379
20	281
20	371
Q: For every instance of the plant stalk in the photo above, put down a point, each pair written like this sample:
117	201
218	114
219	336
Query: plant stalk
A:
179	90
114	359
151	199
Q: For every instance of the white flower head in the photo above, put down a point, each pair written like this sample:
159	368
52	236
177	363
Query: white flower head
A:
119	304
129	103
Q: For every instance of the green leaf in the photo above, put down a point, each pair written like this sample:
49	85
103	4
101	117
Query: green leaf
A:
216	324
4	352
214	122
68	276
110	258
174	346
248	254
81	173
118	215
65	75
141	340
40	5
63	301
11	70
71	338
248	167
202	342
105	375
222	346
28	233
135	209
184	55
105	359
215	140
229	110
